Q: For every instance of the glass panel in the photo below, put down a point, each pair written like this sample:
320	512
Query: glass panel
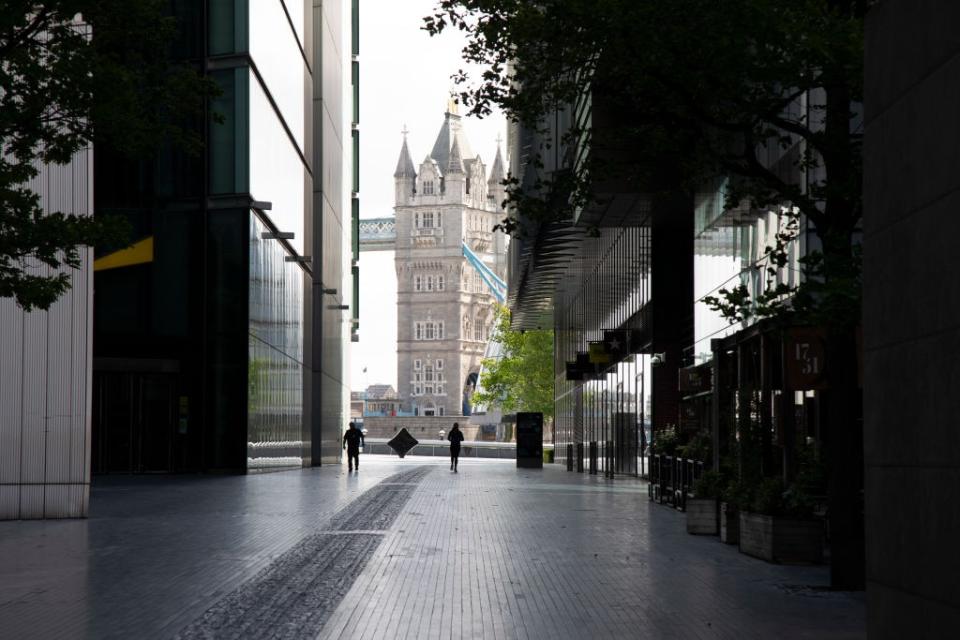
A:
355	224
355	24
355	68
277	173
356	162
275	358
228	139
226	329
277	55
228	26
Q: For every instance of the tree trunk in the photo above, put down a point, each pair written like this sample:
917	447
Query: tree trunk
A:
844	457
844	428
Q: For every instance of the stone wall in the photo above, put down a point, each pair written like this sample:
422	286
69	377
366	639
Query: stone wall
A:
420	427
911	318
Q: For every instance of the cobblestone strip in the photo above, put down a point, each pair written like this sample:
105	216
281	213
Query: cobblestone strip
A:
294	596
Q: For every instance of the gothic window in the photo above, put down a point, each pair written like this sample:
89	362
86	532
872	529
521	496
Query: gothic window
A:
417	389
428	219
428	373
439	219
441	410
417	377
417	283
439	364
429	283
440	331
439	283
428	333
428	187
416	220
428	389
439	389
419	331
417	364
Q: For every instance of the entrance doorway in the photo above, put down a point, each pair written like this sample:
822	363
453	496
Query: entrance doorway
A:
134	422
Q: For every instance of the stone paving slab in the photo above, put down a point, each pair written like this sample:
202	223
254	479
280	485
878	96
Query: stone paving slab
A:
500	552
157	552
490	552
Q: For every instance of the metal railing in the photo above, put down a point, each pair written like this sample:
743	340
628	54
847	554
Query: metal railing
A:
468	449
672	479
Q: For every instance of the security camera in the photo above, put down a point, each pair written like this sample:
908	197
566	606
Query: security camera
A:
658	358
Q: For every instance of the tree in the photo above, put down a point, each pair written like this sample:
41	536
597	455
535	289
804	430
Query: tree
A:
75	72
711	89
521	379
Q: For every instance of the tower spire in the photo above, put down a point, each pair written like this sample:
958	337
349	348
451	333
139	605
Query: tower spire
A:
455	164
405	167
497	172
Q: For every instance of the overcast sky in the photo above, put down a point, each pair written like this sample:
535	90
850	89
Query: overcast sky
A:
404	80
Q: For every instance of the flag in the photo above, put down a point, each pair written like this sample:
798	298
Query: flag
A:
617	343
598	354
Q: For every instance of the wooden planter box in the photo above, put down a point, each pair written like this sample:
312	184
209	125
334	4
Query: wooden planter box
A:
702	516
783	540
729	523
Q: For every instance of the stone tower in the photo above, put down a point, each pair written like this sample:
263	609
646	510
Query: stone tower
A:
445	311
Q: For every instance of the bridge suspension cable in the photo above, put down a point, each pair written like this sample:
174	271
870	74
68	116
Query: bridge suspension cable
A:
496	284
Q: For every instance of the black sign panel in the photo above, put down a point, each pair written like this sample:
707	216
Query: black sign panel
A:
530	440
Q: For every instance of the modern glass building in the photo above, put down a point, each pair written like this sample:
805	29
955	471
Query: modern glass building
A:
613	280
219	335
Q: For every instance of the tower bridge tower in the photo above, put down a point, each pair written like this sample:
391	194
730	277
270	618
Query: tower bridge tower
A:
445	310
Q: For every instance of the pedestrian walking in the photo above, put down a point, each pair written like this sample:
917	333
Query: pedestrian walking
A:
352	440
455	437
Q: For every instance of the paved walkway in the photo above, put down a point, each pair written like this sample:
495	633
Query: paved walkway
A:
404	549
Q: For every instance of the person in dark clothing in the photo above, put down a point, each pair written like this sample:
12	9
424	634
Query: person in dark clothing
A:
352	440
455	437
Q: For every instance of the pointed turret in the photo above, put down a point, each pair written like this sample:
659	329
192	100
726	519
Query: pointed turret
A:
450	131
405	167
455	163
455	175
495	189
405	176
497	174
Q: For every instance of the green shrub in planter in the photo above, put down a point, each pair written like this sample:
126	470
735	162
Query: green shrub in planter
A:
702	514
709	485
777	525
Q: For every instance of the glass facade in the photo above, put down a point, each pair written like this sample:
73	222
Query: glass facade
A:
602	420
275	357
224	340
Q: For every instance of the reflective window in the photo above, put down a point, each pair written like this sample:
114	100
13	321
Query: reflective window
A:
275	50
277	173
275	358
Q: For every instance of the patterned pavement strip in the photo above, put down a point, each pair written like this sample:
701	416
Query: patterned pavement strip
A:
294	595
